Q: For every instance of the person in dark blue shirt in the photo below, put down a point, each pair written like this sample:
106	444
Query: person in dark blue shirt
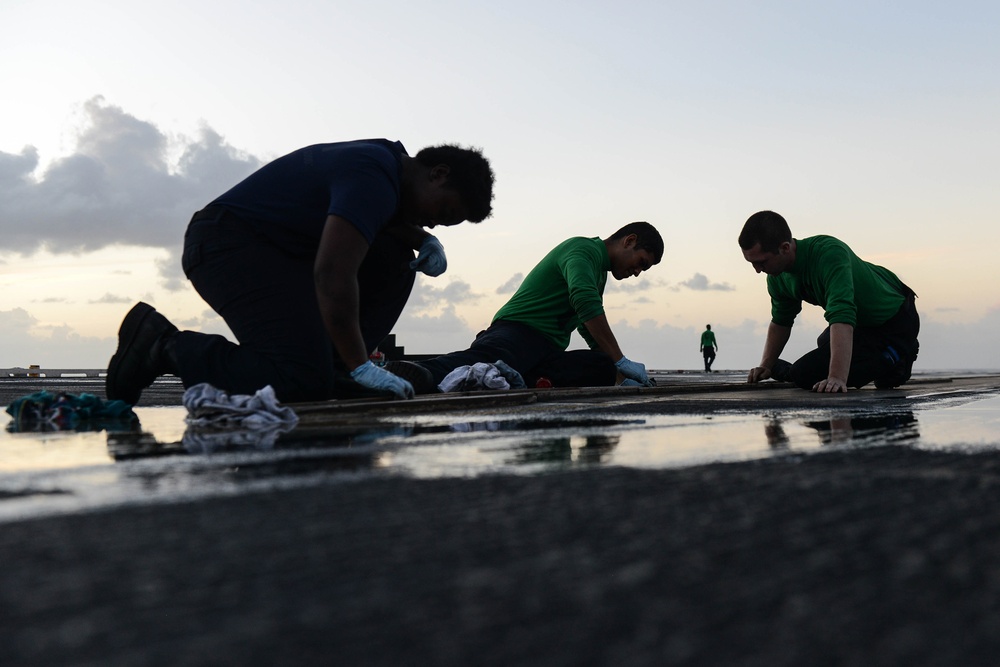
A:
309	260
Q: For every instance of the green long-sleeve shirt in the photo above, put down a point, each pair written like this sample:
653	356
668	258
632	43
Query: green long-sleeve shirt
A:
828	274
565	289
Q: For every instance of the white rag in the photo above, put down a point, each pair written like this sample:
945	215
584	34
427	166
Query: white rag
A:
208	406
476	376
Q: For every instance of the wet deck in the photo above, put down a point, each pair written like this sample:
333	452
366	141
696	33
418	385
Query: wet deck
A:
850	529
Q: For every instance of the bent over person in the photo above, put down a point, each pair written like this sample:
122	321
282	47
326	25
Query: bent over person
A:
873	321
563	293
309	260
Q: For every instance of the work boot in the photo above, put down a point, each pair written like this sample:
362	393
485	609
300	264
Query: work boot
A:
897	369
421	378
145	352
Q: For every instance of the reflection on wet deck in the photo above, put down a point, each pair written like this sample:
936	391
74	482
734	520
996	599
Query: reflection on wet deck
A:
159	459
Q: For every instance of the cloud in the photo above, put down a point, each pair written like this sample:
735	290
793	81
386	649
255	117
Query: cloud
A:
629	286
433	334
666	347
426	296
112	298
26	343
512	284
15	322
117	188
701	283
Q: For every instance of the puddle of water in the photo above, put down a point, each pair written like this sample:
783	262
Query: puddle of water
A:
972	424
162	461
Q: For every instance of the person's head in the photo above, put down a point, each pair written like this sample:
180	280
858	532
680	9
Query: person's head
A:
454	184
633	249
767	243
708	327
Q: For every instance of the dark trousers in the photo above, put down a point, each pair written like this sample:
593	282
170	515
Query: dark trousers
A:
709	353
871	359
532	355
267	297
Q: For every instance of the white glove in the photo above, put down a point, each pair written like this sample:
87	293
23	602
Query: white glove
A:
373	377
634	370
431	259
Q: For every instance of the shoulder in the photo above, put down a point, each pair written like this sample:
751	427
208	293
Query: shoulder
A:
822	252
822	244
381	151
582	247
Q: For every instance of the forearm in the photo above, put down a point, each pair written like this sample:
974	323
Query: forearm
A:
841	350
600	331
335	274
339	306
777	338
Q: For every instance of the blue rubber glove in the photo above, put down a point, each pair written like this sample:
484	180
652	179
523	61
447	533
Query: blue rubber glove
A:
373	377
634	370
431	259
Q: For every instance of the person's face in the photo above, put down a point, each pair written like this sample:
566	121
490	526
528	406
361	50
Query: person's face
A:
436	204
771	263
628	261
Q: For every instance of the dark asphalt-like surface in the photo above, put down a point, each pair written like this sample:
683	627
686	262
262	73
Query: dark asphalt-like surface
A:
881	556
884	555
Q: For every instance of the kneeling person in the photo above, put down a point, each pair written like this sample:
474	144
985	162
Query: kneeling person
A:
564	292
309	260
873	321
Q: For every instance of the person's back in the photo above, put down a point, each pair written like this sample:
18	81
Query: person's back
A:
827	273
562	291
288	200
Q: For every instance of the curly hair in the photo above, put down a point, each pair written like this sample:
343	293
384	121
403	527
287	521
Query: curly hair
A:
469	174
766	228
646	238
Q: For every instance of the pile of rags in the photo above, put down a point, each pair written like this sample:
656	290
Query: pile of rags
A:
481	376
46	411
217	420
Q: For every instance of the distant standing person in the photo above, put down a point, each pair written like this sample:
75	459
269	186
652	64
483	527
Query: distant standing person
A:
310	261
708	347
873	321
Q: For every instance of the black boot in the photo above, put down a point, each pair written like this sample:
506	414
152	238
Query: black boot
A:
421	378
145	351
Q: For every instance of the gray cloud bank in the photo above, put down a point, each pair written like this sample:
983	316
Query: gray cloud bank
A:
701	283
119	187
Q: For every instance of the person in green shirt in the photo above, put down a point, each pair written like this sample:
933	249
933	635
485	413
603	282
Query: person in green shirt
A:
708	347
872	317
563	293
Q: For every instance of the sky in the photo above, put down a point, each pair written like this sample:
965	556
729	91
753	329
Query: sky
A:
875	122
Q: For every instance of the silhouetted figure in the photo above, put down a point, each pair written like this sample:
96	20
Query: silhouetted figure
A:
708	347
310	261
565	291
873	321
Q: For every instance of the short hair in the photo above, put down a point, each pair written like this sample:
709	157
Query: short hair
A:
646	238
469	174
766	228
708	326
